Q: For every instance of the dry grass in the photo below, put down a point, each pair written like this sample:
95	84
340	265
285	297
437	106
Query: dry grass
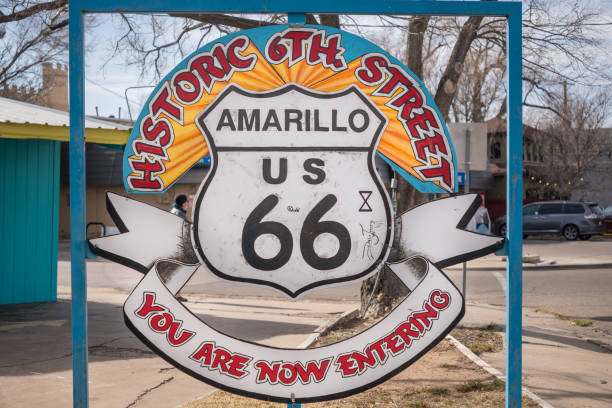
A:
441	378
472	394
482	340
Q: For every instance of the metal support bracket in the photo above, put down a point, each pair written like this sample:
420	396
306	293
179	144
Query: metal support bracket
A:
296	18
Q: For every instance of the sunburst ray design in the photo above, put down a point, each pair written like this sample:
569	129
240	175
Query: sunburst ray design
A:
189	144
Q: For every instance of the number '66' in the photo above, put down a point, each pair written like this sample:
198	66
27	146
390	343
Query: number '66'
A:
312	228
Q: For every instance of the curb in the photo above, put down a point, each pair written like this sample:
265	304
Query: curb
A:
494	371
329	325
534	267
599	343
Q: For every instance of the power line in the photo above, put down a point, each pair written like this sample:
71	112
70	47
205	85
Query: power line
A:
109	90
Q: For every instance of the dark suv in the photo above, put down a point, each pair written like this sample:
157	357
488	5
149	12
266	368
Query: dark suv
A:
572	219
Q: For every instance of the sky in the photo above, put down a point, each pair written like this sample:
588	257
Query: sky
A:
106	84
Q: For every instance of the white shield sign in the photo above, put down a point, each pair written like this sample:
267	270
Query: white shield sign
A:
292	200
292	117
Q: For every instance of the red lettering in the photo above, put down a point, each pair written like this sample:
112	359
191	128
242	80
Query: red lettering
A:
148	305
377	347
163	103
204	66
235	58
220	55
311	43
425	121
372	72
442	171
363	359
346	366
237	365
297	39
439	300
407	101
418	324
393	343
183	335
407	333
222	357
186	87
141	147
146	181
434	144
317	371
220	63
277	51
376	69
268	373
156	322
288	374
426	317
204	353
152	131
396	77
217	358
331	51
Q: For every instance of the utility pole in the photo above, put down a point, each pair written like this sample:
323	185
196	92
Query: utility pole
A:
466	189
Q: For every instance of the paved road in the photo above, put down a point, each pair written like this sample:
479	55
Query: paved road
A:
35	347
579	293
106	274
560	363
583	294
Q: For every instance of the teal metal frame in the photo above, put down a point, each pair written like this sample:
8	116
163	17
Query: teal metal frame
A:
296	12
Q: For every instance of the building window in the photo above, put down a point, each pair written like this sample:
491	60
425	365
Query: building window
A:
496	152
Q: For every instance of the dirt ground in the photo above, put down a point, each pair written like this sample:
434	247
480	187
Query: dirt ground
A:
441	378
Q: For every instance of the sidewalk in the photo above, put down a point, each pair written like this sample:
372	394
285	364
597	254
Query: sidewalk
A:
595	253
550	345
36	360
35	343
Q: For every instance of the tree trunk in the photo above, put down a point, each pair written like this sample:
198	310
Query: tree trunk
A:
389	288
330	20
447	87
414	46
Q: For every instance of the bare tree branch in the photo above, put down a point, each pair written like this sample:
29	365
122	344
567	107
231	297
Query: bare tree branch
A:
32	10
223	19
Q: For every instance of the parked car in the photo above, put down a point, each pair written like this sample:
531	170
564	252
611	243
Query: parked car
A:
572	219
608	221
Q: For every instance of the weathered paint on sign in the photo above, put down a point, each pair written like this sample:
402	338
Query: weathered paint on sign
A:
167	141
152	238
326	211
292	201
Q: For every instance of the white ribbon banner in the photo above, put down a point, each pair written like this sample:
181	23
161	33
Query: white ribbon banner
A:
419	322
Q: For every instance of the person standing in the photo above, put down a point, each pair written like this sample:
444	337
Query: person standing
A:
180	206
483	221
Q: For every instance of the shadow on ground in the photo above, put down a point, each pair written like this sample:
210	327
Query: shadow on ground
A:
36	337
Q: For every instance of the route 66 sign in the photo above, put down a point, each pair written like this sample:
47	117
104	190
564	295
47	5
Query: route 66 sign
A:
305	188
292	118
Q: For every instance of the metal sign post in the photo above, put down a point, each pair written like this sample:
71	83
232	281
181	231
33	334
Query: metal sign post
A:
78	271
514	211
466	189
142	307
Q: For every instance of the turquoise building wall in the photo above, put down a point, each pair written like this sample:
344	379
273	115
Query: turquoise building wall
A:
29	201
